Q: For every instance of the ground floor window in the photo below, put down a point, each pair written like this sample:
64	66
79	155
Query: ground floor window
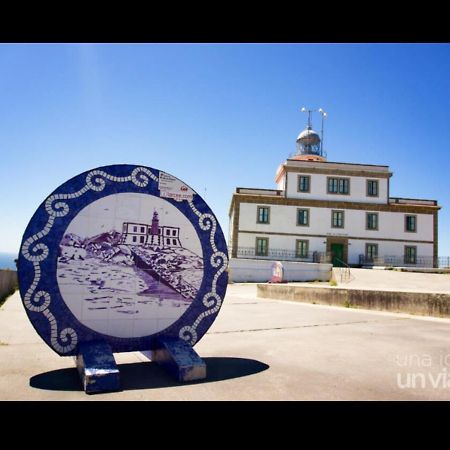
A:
371	251
262	246
410	254
301	248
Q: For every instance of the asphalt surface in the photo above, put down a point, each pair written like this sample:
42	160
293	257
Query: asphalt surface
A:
257	349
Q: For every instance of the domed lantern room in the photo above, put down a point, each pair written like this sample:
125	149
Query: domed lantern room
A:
309	143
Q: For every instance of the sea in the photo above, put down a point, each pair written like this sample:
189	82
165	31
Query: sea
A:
7	261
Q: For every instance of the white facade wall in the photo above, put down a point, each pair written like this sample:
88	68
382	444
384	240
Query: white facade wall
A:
356	247
254	270
283	219
281	242
319	187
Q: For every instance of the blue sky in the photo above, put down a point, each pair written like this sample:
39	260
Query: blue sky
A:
218	116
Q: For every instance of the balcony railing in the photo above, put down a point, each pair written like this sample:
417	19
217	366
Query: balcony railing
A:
283	255
401	261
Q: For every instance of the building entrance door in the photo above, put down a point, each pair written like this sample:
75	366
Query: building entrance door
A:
337	254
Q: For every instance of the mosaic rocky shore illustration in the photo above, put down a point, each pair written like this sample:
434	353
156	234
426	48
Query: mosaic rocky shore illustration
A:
141	272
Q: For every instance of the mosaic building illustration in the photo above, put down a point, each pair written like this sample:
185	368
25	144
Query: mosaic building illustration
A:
145	234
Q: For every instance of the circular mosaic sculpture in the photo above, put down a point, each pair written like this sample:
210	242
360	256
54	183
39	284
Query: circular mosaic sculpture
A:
123	254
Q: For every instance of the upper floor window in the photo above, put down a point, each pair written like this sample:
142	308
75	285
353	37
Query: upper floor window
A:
372	188
303	217
410	254
337	219
338	186
372	221
304	183
262	246
263	215
411	223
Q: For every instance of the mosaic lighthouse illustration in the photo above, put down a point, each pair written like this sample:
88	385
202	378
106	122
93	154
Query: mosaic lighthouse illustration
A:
149	271
154	234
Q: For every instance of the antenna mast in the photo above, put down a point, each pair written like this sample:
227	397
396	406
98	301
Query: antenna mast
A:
324	114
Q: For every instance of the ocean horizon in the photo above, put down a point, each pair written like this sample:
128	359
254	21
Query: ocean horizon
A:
7	261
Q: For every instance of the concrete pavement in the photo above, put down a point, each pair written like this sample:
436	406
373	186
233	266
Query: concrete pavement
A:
257	349
394	280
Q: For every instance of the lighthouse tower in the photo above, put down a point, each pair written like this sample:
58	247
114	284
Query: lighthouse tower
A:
154	230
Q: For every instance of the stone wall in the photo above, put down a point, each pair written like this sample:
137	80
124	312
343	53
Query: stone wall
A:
8	282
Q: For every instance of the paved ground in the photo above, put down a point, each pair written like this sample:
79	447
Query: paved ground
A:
256	349
392	280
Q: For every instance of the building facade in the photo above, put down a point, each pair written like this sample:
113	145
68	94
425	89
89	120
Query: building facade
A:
324	210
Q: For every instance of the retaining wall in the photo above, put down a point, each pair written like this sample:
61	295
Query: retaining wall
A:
423	303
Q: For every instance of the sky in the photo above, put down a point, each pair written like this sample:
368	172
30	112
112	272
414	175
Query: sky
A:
218	116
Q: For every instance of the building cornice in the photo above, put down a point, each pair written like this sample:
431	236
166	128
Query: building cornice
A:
335	204
336	171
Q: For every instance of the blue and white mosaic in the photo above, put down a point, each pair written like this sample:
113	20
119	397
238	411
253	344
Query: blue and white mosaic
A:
125	254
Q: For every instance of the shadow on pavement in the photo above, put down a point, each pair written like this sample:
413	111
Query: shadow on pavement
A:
148	375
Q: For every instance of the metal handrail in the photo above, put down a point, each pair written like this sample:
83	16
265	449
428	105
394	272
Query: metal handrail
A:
344	271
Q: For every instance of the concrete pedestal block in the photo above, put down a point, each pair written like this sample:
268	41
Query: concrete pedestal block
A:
179	359
97	368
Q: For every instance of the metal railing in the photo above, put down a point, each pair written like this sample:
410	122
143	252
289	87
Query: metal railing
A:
283	255
401	261
343	270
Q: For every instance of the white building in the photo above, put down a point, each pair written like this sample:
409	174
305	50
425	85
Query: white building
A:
324	210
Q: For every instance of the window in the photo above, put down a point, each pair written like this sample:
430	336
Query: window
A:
372	188
337	219
303	217
168	241
301	248
134	238
304	182
263	214
371	252
142	229
339	186
410	254
262	246
174	232
142	238
372	221
135	229
167	232
174	241
411	223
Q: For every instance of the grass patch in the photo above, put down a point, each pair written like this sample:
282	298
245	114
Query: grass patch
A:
333	282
